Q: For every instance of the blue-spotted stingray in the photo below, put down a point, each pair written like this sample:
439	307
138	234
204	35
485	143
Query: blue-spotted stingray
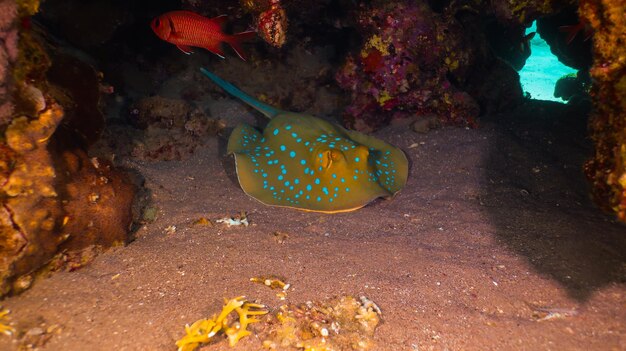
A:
306	163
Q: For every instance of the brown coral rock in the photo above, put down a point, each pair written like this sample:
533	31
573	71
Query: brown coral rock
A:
69	206
607	169
30	205
98	202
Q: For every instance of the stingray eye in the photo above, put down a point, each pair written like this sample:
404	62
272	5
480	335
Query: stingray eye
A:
335	155
329	157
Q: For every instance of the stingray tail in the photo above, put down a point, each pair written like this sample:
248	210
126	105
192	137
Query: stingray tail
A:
265	109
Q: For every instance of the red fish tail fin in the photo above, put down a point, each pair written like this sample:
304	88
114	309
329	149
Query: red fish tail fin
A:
235	41
571	31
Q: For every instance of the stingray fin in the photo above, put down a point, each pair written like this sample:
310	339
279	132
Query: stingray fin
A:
244	137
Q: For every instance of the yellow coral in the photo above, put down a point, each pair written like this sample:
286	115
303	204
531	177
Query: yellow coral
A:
384	97
28	7
377	43
452	64
272	282
203	330
5	328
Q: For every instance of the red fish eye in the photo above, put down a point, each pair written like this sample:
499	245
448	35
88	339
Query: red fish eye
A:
157	22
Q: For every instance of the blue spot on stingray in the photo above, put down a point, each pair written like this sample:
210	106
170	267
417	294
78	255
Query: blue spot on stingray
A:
343	180
307	170
287	183
356	159
292	154
283	148
319	199
284	171
330	200
287	127
325	190
308	187
302	162
296	181
294	135
347	190
276	131
317	181
280	177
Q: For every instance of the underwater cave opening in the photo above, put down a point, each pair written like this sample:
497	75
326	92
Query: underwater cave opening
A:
542	70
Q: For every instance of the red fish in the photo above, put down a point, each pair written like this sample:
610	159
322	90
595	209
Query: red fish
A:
186	29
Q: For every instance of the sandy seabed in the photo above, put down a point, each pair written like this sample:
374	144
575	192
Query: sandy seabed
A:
493	245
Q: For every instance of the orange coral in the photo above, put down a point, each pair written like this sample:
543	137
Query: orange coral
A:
607	169
30	206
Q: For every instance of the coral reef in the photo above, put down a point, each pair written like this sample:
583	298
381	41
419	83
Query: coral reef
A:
453	59
571	86
55	212
553	29
271	22
97	203
522	12
58	207
343	323
607	169
164	129
8	56
31	212
405	66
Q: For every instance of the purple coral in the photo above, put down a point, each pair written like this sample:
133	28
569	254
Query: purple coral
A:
8	54
404	67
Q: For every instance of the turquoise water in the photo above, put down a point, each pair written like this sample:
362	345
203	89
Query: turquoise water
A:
542	70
